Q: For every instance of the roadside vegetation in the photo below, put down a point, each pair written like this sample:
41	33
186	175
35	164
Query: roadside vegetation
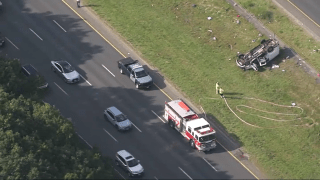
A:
177	38
291	33
36	142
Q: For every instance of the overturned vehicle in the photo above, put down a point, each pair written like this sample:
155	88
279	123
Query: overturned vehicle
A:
259	56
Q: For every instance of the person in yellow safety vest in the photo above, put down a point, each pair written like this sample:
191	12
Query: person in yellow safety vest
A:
217	87
221	92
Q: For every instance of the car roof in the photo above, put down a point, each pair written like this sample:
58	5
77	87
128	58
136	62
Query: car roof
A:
63	63
127	60
125	154
135	66
114	110
30	70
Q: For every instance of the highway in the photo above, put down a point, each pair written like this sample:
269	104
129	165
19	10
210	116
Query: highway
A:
38	32
306	13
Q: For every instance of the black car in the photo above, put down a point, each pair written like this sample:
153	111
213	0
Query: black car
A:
31	72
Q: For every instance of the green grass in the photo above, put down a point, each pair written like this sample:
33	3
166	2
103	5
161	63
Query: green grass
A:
173	36
283	27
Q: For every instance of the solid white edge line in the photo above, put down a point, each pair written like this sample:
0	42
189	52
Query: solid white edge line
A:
110	135
59	25
61	88
119	173
12	43
85	80
108	70
84	141
185	173
158	116
136	127
209	163
36	34
155	177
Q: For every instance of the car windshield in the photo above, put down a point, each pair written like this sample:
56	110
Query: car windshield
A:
121	117
133	163
141	74
67	68
207	138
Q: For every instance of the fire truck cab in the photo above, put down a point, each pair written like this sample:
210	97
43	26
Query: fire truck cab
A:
196	130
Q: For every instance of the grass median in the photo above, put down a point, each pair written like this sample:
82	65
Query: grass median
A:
178	39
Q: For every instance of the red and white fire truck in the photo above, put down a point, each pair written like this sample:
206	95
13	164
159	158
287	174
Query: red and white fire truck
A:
197	130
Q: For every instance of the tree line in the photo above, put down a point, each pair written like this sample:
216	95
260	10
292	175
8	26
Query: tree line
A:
36	142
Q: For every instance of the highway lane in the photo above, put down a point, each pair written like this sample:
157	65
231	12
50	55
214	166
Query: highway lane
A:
310	7
162	151
306	13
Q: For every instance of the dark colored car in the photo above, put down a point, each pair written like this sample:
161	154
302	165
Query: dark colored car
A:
29	71
135	72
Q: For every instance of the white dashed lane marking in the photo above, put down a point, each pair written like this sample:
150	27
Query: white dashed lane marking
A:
85	141
85	80
59	25
11	43
61	88
158	116
36	34
209	164
110	135
108	70
185	173
119	173
136	127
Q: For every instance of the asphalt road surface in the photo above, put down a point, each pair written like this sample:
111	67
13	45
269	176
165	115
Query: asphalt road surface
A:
310	7
306	12
38	32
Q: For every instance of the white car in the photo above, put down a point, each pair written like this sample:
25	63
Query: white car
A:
66	71
130	164
117	118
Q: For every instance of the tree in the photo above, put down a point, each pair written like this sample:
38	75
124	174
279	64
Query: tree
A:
36	142
13	81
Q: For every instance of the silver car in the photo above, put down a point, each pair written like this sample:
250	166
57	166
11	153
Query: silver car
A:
125	160
117	118
65	71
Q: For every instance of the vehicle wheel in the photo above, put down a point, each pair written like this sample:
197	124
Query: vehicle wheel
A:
270	49
117	163
192	144
65	80
121	70
255	66
171	123
117	127
137	86
241	56
263	41
52	68
129	174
